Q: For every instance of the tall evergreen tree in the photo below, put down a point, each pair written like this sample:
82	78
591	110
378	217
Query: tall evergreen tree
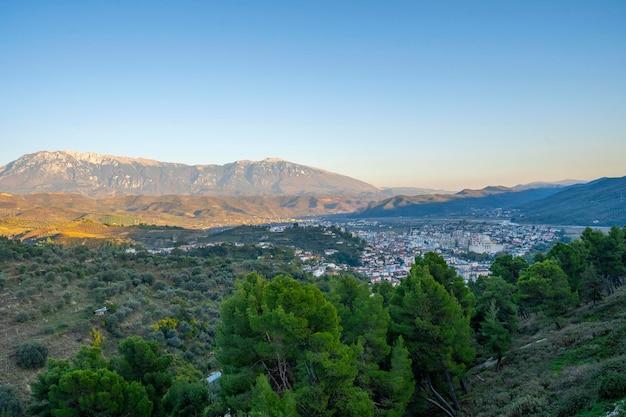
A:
569	259
289	333
436	333
592	285
142	361
364	326
508	267
543	287
606	253
451	281
496	318
495	336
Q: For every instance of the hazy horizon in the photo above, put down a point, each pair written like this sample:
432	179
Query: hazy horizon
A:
446	95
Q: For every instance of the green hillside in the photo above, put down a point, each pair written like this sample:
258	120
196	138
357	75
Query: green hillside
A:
546	339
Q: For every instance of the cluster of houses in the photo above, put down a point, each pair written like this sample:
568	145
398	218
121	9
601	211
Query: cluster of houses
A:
391	253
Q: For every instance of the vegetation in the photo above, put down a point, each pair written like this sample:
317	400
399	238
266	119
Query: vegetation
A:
288	344
341	246
32	355
10	403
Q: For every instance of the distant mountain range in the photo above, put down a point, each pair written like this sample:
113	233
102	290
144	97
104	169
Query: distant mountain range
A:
73	185
601	202
98	175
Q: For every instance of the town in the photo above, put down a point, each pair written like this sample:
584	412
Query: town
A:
469	247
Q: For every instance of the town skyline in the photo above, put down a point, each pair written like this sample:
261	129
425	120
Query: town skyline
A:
447	95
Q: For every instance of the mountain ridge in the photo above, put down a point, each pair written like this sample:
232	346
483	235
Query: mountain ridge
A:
598	202
100	175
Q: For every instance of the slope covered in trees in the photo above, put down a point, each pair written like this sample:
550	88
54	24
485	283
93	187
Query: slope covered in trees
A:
538	339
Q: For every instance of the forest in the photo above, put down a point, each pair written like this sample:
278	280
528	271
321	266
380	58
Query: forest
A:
288	344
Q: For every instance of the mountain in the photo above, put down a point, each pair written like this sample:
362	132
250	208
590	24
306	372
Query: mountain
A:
411	191
463	203
98	175
173	210
543	184
601	202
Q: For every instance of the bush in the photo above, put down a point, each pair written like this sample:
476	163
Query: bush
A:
527	405
32	354
612	385
10	403
47	330
22	317
175	342
575	403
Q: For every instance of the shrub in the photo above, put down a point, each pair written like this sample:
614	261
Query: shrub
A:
175	342
160	285
45	307
22	317
32	354
612	385
10	403
527	405
575	403
47	330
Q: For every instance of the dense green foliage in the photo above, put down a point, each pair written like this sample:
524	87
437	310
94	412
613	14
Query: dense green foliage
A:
10	404
32	354
335	244
289	333
139	382
288	344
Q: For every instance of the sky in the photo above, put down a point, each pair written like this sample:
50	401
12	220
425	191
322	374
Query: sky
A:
435	94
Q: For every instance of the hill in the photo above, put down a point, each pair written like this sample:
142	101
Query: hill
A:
49	294
554	369
600	203
98	175
36	216
463	203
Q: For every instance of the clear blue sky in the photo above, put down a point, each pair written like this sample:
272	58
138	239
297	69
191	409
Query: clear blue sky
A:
439	94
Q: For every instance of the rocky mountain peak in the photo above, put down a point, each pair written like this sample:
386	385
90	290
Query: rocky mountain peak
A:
96	175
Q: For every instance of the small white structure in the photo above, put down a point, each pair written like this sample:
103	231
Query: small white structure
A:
213	377
100	311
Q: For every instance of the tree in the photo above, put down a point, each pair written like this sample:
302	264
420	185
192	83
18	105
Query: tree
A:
99	392
267	403
289	333
591	285
142	362
43	384
496	314
569	259
185	398
81	387
452	282
400	383
10	403
385	289
544	287
508	268
496	337
365	321
606	253
436	333
32	354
